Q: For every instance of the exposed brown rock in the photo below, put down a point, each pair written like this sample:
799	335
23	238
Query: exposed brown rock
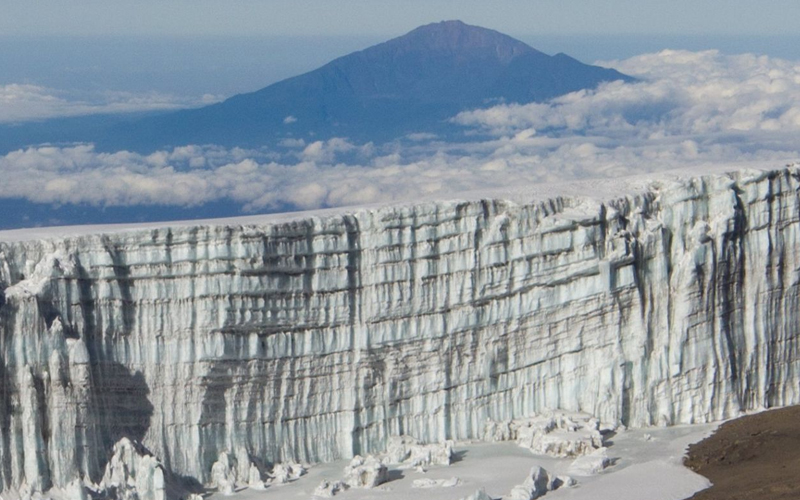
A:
755	457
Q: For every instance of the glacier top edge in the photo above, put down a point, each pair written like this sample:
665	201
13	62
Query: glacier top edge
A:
595	189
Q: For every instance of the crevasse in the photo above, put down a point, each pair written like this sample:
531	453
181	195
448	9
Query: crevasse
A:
321	337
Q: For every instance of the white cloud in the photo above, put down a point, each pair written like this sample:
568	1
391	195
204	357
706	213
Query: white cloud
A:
681	93
688	110
23	102
421	136
326	151
292	143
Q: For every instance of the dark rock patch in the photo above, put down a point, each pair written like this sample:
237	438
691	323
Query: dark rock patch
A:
756	457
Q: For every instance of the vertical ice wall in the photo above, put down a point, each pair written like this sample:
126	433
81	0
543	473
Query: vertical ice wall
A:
320	338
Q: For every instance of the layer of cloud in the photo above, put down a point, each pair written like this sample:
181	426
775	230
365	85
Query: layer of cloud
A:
688	110
24	102
681	93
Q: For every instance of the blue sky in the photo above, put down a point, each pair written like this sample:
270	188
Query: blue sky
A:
174	53
388	17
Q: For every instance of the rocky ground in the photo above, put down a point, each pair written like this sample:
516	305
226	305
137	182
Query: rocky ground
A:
755	457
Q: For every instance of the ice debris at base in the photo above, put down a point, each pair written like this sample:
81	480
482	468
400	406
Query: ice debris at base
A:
284	473
229	474
564	482
317	337
539	482
478	495
555	433
76	490
328	489
254	480
436	483
362	472
133	474
365	472
535	485
371	471
408	452
224	474
591	464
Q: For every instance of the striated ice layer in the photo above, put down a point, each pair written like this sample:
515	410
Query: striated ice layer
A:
320	338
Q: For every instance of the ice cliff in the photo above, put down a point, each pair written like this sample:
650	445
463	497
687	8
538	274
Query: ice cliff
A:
321	337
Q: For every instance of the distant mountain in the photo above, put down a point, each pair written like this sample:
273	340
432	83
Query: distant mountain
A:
408	84
412	83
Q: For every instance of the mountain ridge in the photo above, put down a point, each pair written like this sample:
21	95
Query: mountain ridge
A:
411	83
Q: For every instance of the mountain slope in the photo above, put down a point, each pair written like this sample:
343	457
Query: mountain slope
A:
411	83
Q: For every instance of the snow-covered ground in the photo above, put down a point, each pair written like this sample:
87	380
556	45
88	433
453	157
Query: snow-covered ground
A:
648	466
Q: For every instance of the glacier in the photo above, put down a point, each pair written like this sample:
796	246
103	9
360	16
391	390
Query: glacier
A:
315	337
